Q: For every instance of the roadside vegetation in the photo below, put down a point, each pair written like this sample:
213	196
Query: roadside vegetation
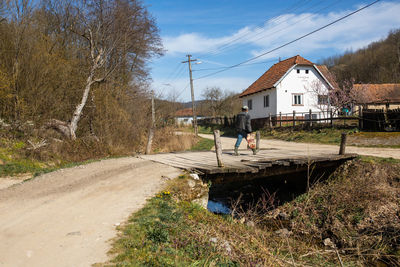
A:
203	144
333	136
353	218
22	155
323	135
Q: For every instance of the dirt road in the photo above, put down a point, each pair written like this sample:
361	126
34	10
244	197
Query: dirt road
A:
228	143
66	218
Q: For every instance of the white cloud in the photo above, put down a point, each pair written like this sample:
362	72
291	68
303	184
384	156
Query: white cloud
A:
196	43
353	32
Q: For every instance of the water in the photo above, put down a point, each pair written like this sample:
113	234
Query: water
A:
218	207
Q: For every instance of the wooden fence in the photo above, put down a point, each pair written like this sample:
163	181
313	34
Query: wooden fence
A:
380	119
303	119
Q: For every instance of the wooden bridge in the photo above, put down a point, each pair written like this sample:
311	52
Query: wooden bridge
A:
267	162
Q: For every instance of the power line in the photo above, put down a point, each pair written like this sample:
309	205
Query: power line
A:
257	63
267	33
291	42
234	40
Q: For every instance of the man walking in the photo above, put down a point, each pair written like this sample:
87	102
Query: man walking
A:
243	127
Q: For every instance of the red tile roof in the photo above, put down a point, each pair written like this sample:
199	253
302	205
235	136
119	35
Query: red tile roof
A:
271	76
186	112
325	72
377	93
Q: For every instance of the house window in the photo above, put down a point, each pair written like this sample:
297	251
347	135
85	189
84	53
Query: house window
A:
322	100
250	104
297	99
266	101
306	71
298	71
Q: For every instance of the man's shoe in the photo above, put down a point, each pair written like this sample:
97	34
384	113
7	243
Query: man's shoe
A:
236	151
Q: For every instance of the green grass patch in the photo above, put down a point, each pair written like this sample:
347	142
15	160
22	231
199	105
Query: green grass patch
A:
224	131
14	161
373	160
162	234
170	231
203	144
322	136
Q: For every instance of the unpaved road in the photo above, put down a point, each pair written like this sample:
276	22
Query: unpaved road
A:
66	218
229	142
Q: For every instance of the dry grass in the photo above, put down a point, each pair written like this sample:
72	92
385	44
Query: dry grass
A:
358	209
167	140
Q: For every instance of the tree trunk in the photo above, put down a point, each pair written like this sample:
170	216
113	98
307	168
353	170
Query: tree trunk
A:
78	110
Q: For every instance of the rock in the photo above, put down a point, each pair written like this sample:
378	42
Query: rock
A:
283	232
250	224
223	244
165	177
195	176
202	201
227	247
283	216
214	240
328	243
191	183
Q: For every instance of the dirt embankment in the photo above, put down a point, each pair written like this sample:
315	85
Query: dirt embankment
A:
65	218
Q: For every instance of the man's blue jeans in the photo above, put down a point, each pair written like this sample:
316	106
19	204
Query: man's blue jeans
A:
241	135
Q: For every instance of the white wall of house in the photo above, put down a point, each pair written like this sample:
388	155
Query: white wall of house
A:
258	110
282	99
186	120
300	84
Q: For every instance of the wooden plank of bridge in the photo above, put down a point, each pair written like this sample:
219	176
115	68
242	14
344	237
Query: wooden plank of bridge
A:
205	162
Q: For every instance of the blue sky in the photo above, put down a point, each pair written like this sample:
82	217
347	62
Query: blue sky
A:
222	33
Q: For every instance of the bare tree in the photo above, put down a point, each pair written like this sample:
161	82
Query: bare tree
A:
219	103
213	97
320	93
114	34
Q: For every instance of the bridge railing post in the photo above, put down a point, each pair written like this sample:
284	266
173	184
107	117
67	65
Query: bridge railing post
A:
218	148
342	150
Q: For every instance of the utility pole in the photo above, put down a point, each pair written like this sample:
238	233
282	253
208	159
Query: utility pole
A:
153	123
192	91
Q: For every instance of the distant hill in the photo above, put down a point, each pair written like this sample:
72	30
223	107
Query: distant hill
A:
379	62
189	104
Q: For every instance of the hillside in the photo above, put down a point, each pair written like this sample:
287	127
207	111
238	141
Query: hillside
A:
379	62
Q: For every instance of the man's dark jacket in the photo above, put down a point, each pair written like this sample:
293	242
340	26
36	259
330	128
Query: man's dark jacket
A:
243	122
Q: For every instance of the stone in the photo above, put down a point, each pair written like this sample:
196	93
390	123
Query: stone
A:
191	183
328	243
195	176
250	224
283	232
283	216
214	240
202	201
227	247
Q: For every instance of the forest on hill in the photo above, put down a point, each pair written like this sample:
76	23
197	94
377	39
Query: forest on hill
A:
77	67
379	62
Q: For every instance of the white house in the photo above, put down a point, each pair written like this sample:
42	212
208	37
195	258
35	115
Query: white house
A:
295	84
185	116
